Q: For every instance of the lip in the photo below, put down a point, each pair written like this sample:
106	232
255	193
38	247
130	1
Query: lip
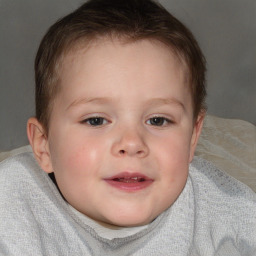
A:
130	182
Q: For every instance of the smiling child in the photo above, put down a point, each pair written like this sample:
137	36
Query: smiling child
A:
120	103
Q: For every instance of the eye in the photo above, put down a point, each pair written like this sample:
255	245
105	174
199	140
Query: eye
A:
95	121
159	121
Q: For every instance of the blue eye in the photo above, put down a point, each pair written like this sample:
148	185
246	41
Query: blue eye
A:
95	121
159	121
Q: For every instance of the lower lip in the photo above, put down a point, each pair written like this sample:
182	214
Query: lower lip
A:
130	187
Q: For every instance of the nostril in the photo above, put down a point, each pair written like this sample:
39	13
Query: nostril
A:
122	152
140	152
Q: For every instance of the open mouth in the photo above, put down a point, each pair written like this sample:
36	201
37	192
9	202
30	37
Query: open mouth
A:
129	182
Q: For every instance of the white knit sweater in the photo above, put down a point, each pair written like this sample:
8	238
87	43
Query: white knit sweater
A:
214	215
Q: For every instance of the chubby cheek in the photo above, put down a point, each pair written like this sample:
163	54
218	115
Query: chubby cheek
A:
174	161
76	160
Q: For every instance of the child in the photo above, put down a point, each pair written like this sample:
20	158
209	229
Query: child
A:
120	94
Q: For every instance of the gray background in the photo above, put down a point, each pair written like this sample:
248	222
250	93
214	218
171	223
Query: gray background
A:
225	29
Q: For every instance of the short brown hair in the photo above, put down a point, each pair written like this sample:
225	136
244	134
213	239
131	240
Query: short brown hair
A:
130	19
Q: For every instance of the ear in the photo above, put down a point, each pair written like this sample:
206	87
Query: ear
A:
39	143
196	134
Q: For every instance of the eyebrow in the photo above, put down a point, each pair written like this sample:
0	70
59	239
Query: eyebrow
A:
82	101
105	100
166	101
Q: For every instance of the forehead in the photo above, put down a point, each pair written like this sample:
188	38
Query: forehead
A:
104	62
92	48
84	44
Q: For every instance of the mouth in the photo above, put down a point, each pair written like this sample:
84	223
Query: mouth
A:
129	181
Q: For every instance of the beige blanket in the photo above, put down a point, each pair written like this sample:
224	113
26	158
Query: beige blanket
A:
231	145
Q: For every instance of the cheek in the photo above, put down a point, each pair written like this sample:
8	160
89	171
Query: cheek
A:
85	157
173	161
76	163
174	148
76	154
173	157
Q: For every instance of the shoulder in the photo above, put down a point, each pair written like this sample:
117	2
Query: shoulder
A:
18	167
224	205
210	180
19	175
29	205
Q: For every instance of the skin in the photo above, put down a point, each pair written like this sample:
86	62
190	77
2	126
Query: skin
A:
122	107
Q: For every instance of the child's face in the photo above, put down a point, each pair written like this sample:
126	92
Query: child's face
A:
121	132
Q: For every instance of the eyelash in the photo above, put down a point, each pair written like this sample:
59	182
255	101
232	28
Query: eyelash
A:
163	121
154	121
95	121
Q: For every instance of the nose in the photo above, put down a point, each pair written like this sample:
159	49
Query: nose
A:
130	142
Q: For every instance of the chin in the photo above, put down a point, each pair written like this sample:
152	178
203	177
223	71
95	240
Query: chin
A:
131	220
131	215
